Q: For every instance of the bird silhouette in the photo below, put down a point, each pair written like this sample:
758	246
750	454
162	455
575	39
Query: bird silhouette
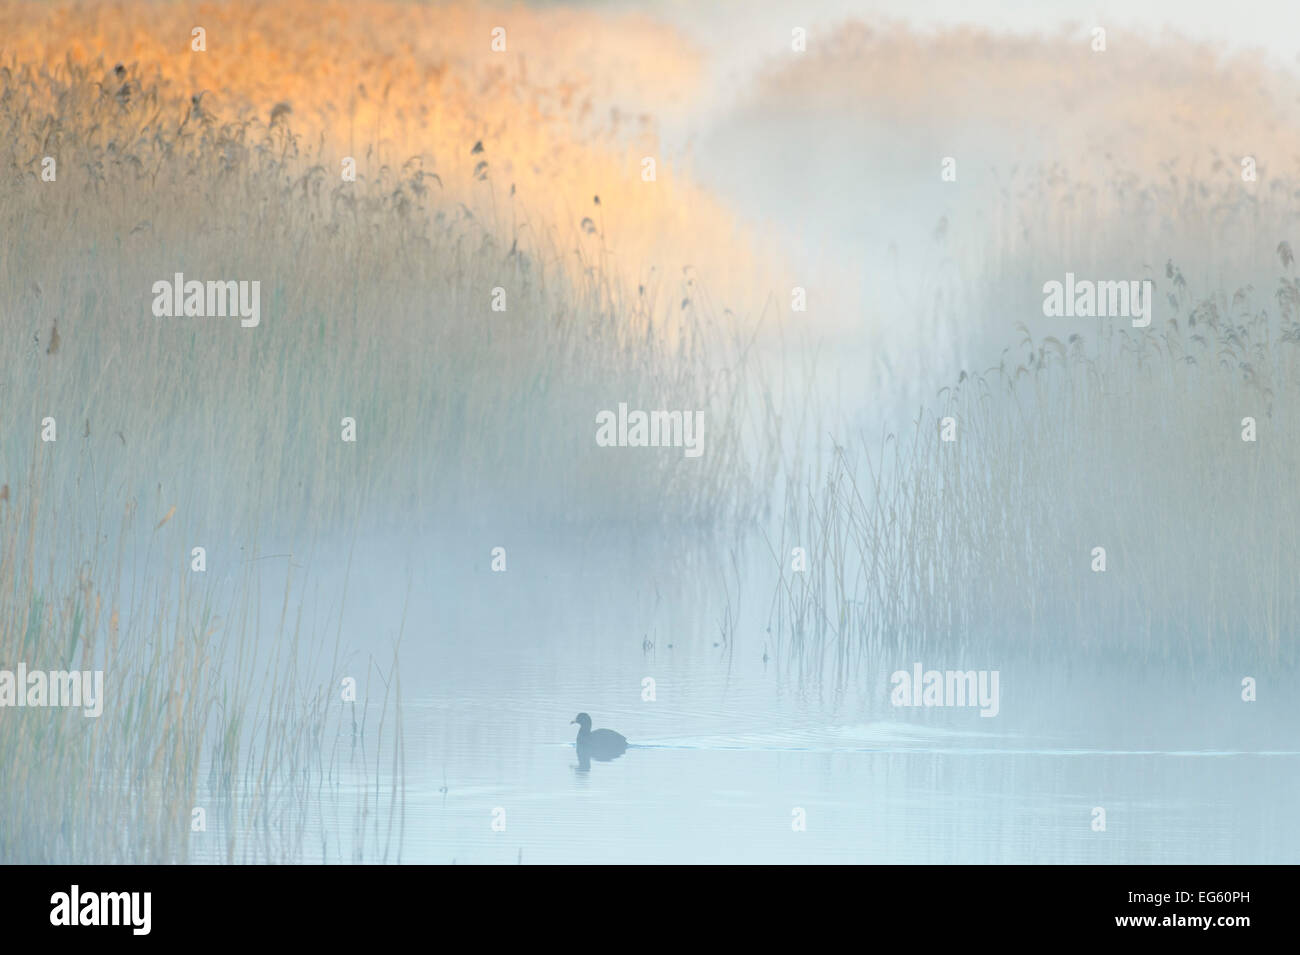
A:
598	744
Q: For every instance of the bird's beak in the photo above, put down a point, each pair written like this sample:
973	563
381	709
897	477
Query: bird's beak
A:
571	722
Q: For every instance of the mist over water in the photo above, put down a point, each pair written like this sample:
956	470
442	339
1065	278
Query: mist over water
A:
484	570
734	741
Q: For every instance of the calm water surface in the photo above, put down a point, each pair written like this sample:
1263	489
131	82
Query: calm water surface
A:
494	667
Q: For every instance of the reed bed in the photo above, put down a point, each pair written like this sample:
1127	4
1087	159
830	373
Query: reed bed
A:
199	711
478	176
1130	440
1070	434
377	305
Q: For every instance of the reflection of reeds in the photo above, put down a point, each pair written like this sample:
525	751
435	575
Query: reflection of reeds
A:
1133	444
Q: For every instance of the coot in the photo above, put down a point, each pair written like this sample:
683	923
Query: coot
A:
597	744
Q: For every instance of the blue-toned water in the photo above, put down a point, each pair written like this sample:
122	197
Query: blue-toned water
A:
738	759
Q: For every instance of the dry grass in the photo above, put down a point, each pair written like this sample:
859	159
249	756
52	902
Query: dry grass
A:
1130	440
375	295
564	115
1082	433
197	712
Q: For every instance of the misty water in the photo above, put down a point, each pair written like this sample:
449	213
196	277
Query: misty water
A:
743	748
750	740
741	736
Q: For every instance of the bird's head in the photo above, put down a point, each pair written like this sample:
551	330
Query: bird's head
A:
583	720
